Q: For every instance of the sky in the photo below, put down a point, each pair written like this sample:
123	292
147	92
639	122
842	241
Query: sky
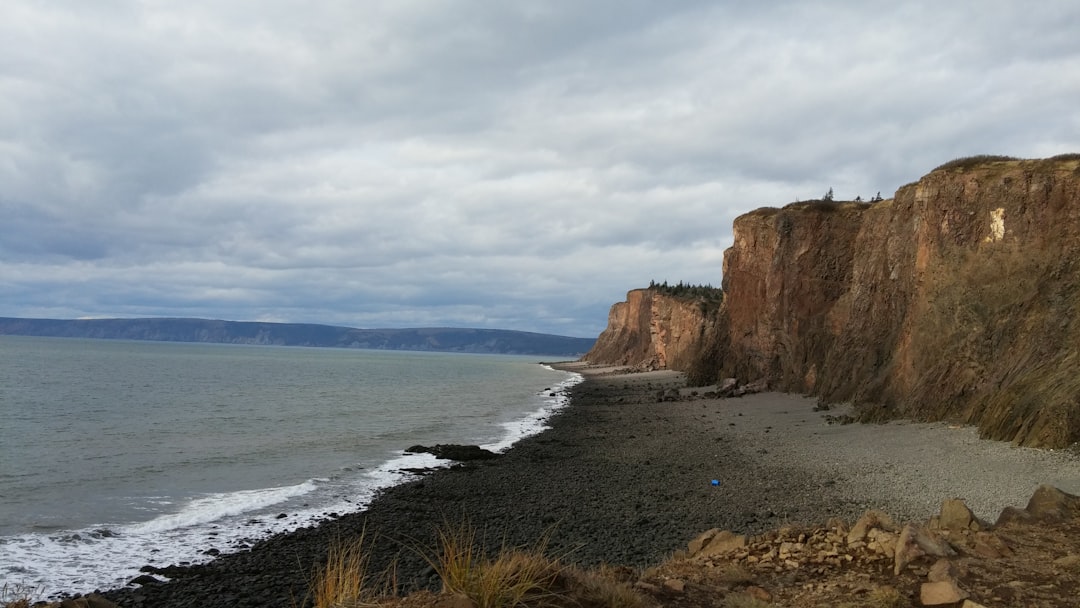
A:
498	164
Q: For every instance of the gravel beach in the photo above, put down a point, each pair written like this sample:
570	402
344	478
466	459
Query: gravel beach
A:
621	478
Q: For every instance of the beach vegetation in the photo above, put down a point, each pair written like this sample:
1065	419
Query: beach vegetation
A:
18	595
344	581
514	577
522	576
881	597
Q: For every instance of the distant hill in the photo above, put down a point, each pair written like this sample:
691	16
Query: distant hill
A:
490	341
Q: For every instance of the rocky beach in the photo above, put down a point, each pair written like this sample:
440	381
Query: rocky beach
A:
635	467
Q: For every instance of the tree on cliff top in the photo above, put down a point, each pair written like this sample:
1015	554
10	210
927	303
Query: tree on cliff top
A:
687	290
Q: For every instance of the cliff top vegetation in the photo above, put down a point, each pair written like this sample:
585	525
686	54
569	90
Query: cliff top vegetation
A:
978	160
688	291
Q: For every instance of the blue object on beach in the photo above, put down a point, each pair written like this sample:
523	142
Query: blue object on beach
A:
716	482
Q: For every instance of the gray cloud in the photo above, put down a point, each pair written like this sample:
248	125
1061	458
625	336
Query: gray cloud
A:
507	164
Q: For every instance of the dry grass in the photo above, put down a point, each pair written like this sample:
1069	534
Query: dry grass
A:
734	574
881	597
515	577
17	595
968	162
344	582
599	587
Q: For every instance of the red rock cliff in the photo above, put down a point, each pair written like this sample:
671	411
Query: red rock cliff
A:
653	330
958	299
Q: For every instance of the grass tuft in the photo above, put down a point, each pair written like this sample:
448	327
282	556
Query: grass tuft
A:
18	595
343	582
513	578
599	587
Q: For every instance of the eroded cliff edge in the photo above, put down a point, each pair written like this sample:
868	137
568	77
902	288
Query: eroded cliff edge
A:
654	330
957	299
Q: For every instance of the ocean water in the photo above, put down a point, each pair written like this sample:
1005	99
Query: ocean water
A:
115	454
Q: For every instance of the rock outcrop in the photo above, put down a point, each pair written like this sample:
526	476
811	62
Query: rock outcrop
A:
653	330
1024	562
957	299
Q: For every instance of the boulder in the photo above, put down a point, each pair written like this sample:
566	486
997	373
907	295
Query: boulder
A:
715	541
1010	515
1051	504
955	515
452	451
1047	503
871	519
943	570
915	542
145	579
91	600
941	593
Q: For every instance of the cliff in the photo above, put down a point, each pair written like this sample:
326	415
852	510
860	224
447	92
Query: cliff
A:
957	299
653	330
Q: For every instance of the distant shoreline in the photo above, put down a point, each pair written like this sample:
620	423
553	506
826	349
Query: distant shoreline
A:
211	331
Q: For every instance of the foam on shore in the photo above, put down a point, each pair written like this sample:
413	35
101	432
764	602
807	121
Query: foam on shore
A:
109	555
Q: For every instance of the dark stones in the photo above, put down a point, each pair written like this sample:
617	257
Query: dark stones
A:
461	453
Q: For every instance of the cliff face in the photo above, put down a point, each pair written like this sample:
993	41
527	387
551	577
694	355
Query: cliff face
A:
958	299
653	330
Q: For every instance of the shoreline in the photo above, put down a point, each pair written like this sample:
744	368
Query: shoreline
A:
620	478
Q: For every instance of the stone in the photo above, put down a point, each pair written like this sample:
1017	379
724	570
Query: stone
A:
942	570
1048	503
971	604
452	451
1069	561
647	587
724	542
915	542
1011	515
871	519
145	579
941	593
955	515
758	593
727	387
989	545
699	542
91	600
674	586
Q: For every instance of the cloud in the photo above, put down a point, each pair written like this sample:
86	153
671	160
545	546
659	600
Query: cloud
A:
510	164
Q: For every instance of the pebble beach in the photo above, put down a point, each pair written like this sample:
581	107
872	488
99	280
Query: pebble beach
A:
623	478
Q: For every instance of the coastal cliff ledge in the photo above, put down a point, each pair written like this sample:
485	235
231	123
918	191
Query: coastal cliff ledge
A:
956	299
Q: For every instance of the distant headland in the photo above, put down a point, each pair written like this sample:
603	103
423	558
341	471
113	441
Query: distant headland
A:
436	339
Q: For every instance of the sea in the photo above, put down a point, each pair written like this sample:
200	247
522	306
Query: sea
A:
120	454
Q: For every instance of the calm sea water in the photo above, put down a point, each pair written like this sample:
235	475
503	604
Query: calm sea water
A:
118	454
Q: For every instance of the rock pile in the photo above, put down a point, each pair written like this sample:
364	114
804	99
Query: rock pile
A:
934	558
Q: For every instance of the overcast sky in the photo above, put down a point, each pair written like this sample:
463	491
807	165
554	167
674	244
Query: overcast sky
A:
500	164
